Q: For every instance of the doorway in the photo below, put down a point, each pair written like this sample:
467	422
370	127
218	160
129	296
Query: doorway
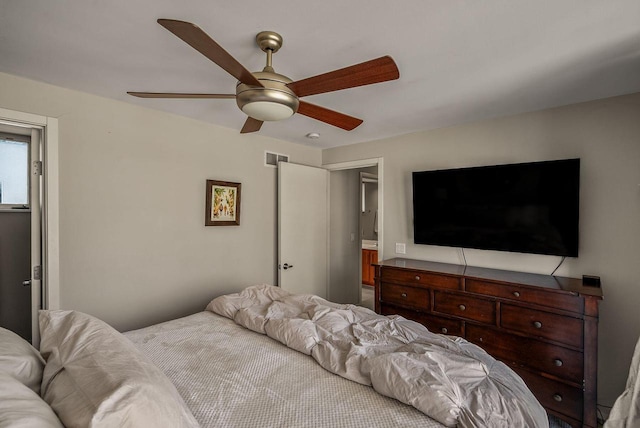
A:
20	231
347	252
44	272
368	234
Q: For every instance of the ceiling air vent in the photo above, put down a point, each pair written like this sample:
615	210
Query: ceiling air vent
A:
272	159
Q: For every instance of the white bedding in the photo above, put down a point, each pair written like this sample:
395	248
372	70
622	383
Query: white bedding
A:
449	379
232	377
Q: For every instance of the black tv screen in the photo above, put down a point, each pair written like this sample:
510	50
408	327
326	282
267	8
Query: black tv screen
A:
524	208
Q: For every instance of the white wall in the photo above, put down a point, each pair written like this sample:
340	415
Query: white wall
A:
133	246
605	134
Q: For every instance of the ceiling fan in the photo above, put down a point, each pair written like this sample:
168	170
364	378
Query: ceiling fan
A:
269	96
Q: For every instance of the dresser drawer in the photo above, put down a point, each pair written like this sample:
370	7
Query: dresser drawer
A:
546	325
421	278
538	296
442	325
405	296
525	352
435	324
554	395
465	306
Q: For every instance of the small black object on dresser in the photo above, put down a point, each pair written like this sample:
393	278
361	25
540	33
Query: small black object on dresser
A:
544	327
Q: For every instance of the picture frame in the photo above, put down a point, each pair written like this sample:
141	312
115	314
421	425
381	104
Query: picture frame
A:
222	203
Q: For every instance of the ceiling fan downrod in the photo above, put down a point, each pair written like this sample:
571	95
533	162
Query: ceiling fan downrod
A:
269	42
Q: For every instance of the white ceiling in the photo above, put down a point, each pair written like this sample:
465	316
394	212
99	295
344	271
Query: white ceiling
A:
459	61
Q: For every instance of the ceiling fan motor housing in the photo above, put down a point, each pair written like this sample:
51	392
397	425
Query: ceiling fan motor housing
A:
274	101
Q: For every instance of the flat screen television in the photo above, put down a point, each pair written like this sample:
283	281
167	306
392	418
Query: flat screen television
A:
525	208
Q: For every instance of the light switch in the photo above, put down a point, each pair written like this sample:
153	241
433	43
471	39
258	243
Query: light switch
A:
401	248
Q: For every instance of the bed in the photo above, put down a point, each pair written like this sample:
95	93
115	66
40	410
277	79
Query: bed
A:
261	357
274	384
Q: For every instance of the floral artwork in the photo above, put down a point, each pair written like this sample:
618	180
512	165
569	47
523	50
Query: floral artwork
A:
223	203
224	200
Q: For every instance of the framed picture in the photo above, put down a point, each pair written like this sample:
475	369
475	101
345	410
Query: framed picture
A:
223	203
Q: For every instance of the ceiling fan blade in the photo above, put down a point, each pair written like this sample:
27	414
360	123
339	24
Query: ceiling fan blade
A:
366	73
251	125
178	95
331	117
200	41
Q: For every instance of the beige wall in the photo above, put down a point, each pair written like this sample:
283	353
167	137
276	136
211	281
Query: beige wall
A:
605	134
133	246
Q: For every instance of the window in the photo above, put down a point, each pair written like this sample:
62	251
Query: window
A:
14	171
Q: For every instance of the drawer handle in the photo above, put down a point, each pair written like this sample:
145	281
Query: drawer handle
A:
444	330
537	324
557	397
417	278
404	294
462	307
558	362
516	293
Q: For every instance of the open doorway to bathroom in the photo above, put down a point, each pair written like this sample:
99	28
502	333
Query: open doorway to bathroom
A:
368	226
345	231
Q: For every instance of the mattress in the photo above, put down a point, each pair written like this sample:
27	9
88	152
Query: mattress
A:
230	376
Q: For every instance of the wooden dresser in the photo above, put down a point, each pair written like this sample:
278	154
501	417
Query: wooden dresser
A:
542	326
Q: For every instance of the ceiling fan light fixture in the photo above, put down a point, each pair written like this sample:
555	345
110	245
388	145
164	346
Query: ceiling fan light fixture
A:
267	111
271	102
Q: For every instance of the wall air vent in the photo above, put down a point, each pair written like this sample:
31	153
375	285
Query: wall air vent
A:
272	159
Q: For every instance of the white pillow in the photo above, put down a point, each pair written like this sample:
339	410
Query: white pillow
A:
95	377
20	360
20	407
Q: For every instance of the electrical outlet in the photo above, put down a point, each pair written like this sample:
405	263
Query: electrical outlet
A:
401	248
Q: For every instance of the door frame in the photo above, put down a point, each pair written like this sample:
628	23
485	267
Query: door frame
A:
50	232
357	164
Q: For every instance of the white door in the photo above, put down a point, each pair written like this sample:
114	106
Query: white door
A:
303	228
20	230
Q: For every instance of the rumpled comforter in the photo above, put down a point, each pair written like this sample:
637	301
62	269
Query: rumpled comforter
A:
449	379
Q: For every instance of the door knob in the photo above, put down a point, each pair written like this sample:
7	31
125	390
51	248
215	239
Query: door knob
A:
26	283
286	266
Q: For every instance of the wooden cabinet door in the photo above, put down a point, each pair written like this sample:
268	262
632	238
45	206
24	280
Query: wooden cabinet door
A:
368	271
366	261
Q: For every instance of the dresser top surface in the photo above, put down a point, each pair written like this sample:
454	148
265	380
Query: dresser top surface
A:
532	279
